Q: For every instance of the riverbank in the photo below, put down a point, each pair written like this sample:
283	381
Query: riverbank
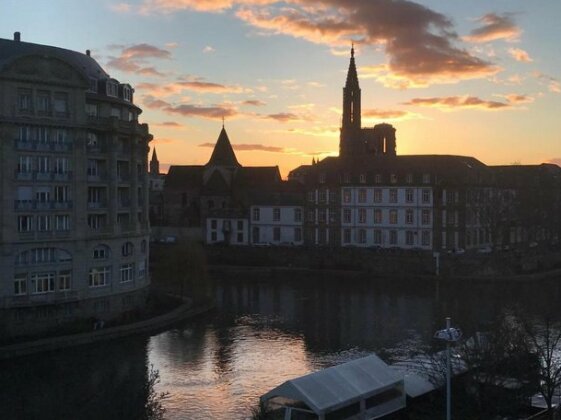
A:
180	313
271	273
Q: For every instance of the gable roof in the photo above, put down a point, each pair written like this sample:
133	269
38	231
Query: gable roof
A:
190	176
258	176
223	153
340	385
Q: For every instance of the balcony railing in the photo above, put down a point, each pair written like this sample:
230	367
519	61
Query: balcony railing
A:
97	204
42	205
49	146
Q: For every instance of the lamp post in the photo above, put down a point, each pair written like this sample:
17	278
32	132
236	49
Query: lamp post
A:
450	335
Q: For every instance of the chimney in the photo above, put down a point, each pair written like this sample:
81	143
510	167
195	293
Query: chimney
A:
17	36
88	53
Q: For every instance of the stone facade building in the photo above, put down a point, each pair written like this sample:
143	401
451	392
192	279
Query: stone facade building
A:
74	186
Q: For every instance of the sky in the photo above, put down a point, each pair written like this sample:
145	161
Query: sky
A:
479	78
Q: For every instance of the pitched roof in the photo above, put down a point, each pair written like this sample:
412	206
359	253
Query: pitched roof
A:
223	153
258	176
190	176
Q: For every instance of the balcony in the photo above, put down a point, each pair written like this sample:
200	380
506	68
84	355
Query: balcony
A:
24	176
42	146
43	176
41	299
62	176
95	205
26	205
98	176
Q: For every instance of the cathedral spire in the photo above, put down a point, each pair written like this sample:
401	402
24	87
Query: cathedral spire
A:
351	96
154	163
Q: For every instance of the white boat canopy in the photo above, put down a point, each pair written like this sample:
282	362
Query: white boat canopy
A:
367	385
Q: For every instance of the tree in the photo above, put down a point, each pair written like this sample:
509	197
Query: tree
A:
544	340
153	407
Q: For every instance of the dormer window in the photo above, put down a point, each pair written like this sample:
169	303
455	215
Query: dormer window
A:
378	178
393	178
93	85
409	178
127	93
362	178
426	178
112	89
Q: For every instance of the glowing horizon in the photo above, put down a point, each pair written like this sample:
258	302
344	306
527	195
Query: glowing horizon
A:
481	79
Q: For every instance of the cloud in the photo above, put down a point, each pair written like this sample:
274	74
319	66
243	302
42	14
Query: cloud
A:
167	124
250	147
457	102
154	103
553	84
389	114
162	140
516	99
120	7
173	88
170	6
283	117
254	102
421	44
132	59
214	112
316	132
520	55
493	27
208	49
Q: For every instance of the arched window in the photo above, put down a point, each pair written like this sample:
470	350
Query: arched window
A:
101	252
127	249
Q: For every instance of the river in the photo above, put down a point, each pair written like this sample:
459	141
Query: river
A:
262	333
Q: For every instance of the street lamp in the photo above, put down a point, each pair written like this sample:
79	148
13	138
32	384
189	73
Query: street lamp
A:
450	335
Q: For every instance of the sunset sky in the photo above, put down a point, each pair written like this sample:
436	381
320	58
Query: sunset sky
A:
480	78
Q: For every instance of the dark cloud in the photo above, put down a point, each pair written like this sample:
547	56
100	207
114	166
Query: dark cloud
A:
254	102
283	117
250	147
211	112
493	27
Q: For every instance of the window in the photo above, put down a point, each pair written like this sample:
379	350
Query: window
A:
322	216
256	214
240	237
362	195
393	217
213	224
393	196
377	216
91	139
426	196
99	276
20	284
25	223
362	236
127	249
362	178
64	280
96	221
43	223
24	164
43	135
409	237
213	236
91	110
377	195
426	178
43	195
393	178
255	235
61	136
322	178
112	89
42	283
142	269
240	225
425	238
426	217
61	193
276	214
347	178
409	195
378	179
127	94
409	178
297	234
322	196
43	102
276	234
361	215
127	272
116	112
346	196
311	216
93	167
346	215
409	217
24	100
393	237
93	85
297	215
61	166
25	133
347	236
61	103
377	237
100	252
43	164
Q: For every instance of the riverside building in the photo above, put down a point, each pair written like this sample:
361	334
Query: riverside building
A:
74	187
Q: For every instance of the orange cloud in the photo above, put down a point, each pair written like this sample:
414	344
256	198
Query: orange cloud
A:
520	55
283	117
211	112
494	27
132	59
457	102
388	114
515	99
254	102
250	147
169	89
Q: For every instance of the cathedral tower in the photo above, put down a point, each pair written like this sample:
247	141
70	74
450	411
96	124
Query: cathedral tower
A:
351	143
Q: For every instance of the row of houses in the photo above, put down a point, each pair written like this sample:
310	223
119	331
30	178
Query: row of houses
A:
368	196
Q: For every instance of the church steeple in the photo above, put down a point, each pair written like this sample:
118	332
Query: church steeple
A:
351	97
154	164
223	153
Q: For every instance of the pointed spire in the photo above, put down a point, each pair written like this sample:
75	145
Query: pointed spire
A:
223	153
154	164
352	49
154	155
352	76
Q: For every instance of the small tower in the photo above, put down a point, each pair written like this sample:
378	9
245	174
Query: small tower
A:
154	164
